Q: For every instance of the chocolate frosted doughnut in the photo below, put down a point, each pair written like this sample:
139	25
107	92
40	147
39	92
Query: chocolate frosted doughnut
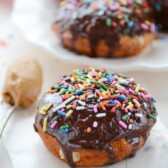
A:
104	28
160	12
95	117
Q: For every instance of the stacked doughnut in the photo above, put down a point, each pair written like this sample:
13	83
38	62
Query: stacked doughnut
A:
95	117
104	28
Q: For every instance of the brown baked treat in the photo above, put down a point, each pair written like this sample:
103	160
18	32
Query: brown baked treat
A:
160	13
95	117
102	28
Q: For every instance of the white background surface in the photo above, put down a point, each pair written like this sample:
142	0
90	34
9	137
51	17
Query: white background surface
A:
21	146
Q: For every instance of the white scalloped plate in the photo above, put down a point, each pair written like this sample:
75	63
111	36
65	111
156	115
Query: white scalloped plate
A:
34	18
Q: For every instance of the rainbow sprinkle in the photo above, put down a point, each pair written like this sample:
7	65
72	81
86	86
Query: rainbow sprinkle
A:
45	124
45	108
122	124
53	124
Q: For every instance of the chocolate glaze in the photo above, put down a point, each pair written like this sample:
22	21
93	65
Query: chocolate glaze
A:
108	129
35	128
87	23
160	12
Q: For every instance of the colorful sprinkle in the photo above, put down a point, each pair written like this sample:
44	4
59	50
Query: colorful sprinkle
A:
122	124
125	117
74	105
101	115
130	126
45	124
108	22
53	124
145	105
144	26
45	108
58	107
95	124
154	100
88	130
136	102
54	119
80	108
68	106
78	92
137	89
95	109
100	84
131	121
69	113
69	100
64	127
81	103
88	81
113	109
61	113
3	43
65	130
121	97
130	24
152	116
90	96
112	102
138	115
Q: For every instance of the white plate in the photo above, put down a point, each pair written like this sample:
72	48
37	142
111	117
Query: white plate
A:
35	17
25	147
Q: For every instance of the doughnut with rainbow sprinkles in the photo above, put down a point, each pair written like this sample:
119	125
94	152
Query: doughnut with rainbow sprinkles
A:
95	117
104	28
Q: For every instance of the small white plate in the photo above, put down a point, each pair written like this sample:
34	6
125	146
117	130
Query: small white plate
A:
35	18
